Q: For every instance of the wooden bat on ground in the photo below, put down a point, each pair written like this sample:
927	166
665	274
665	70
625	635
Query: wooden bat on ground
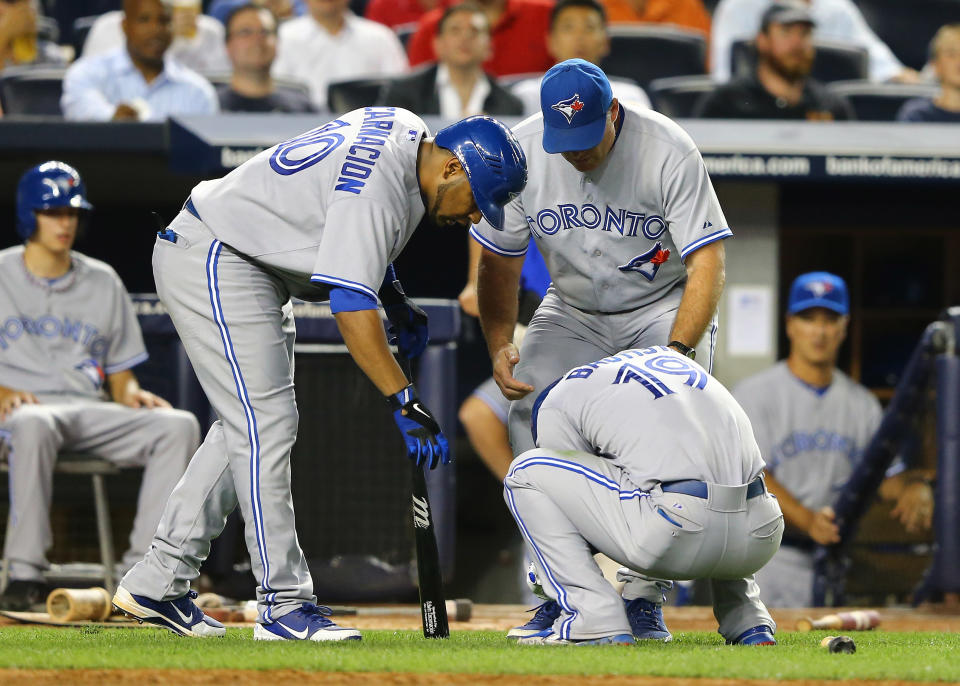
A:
858	620
433	607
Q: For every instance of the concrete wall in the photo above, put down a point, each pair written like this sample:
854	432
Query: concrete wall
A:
752	211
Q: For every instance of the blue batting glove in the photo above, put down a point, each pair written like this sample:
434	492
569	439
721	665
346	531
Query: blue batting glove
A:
426	444
408	328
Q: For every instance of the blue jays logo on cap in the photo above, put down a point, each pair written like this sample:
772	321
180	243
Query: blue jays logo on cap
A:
569	107
818	289
575	96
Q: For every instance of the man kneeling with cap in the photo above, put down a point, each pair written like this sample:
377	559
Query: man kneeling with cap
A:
646	458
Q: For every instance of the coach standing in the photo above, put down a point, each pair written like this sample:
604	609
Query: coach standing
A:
620	205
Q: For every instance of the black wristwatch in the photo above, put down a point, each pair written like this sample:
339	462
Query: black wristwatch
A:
683	349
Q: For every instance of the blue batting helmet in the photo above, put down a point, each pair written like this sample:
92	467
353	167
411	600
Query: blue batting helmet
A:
48	185
493	159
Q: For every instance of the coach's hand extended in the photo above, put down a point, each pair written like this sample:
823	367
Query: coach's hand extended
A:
503	363
426	444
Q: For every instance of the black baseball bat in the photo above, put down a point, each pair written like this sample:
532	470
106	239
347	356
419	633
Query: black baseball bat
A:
433	606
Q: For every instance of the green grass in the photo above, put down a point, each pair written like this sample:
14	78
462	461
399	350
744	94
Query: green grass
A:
880	655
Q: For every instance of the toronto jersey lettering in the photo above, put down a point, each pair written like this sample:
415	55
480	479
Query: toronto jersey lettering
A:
810	438
331	207
65	335
656	413
618	239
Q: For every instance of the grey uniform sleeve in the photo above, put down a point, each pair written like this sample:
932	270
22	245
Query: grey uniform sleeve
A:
691	208
126	347
513	240
359	237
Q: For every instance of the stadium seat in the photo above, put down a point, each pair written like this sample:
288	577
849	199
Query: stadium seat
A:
907	27
644	52
834	61
677	96
31	90
66	12
48	29
879	101
343	96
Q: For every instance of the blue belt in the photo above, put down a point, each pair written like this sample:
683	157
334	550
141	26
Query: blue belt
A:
188	206
698	489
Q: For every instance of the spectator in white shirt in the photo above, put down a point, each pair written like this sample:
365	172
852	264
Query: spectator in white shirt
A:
198	40
836	20
578	29
137	81
332	44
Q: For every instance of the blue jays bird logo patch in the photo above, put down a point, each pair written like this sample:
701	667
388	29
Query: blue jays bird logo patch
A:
819	288
569	107
647	264
93	371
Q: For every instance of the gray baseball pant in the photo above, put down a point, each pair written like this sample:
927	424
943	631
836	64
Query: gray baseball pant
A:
159	440
561	337
565	502
236	323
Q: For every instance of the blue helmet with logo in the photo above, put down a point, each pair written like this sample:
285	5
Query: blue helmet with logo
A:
493	159
44	187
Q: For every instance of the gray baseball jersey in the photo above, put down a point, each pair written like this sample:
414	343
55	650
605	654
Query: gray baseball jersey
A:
810	438
65	335
615	238
656	414
331	207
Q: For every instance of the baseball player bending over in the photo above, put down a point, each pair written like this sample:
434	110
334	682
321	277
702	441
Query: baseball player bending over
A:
319	217
648	459
621	207
68	342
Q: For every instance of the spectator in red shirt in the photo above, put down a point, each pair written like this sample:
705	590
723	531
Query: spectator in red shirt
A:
394	13
519	36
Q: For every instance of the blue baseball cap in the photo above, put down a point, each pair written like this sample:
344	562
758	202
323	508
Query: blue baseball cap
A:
818	289
574	97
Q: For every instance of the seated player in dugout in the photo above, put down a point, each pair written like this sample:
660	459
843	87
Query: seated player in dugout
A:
69	341
813	423
646	458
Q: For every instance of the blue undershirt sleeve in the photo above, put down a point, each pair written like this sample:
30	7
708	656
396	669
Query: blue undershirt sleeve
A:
349	300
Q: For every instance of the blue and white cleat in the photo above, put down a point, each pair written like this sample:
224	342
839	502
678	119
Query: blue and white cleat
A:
307	623
646	620
181	616
552	639
761	635
541	625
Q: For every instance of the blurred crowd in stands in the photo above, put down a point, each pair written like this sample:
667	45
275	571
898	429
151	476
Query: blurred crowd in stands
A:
98	60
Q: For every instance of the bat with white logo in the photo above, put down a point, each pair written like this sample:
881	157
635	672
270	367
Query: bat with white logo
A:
433	607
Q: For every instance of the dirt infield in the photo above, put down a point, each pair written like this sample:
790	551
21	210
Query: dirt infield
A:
104	677
503	617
